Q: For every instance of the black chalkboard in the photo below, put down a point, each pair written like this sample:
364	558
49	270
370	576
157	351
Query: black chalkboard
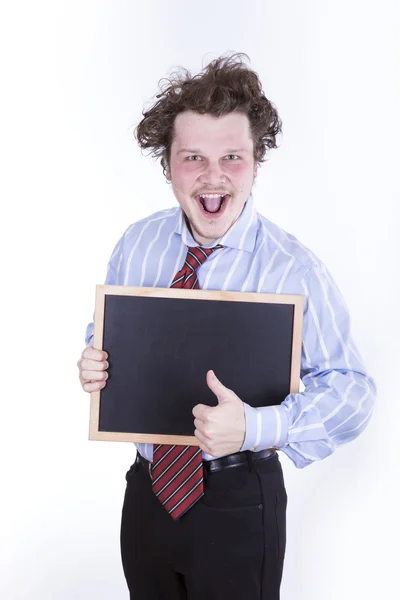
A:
160	349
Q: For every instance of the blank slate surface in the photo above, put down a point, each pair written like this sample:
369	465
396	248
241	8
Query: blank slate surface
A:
160	348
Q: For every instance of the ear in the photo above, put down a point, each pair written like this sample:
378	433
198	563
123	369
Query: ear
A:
255	170
168	174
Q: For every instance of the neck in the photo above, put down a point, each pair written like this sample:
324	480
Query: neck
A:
198	238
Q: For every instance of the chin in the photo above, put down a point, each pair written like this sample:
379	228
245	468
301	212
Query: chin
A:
212	233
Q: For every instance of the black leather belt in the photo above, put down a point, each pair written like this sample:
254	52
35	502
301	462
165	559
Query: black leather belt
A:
224	462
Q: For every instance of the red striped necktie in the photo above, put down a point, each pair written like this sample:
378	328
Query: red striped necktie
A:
177	471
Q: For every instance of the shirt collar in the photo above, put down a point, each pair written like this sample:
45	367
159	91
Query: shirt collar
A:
241	236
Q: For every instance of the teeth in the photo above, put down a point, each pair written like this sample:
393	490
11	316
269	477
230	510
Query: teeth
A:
212	195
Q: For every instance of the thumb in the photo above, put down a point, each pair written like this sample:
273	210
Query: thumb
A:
217	387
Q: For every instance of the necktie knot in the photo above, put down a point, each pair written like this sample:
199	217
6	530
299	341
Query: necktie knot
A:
196	256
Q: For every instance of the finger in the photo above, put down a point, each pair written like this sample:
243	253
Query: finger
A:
93	386
202	439
199	424
216	386
94	353
88	364
205	429
205	449
94	375
200	411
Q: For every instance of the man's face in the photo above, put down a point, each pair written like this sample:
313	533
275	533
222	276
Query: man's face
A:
211	155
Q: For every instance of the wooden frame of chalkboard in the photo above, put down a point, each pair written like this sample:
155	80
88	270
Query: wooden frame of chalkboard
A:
161	342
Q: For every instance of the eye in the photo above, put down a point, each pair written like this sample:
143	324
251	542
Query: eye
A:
235	155
192	156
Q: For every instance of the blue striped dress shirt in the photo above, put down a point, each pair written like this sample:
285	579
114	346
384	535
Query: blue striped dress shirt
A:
338	396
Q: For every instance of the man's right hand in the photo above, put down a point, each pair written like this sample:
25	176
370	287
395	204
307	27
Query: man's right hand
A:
92	369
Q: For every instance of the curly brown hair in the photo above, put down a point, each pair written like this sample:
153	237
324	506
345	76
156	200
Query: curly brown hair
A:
226	84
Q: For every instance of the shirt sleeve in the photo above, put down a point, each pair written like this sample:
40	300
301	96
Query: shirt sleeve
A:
112	278
338	398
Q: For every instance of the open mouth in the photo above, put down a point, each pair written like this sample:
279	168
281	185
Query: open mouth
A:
213	204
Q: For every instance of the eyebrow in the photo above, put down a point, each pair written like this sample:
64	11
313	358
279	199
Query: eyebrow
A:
198	151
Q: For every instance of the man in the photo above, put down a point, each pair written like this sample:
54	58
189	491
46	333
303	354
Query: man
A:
221	532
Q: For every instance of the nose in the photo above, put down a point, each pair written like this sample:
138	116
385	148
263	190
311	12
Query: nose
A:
213	174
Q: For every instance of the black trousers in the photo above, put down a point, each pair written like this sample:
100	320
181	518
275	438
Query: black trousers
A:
230	544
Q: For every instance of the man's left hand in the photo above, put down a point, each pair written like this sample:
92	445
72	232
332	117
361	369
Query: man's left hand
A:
220	429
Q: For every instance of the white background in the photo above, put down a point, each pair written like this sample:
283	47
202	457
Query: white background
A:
74	78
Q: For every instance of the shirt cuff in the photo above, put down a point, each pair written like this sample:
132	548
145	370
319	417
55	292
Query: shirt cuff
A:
89	334
266	427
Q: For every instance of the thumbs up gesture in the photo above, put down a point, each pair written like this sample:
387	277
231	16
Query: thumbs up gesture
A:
220	429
